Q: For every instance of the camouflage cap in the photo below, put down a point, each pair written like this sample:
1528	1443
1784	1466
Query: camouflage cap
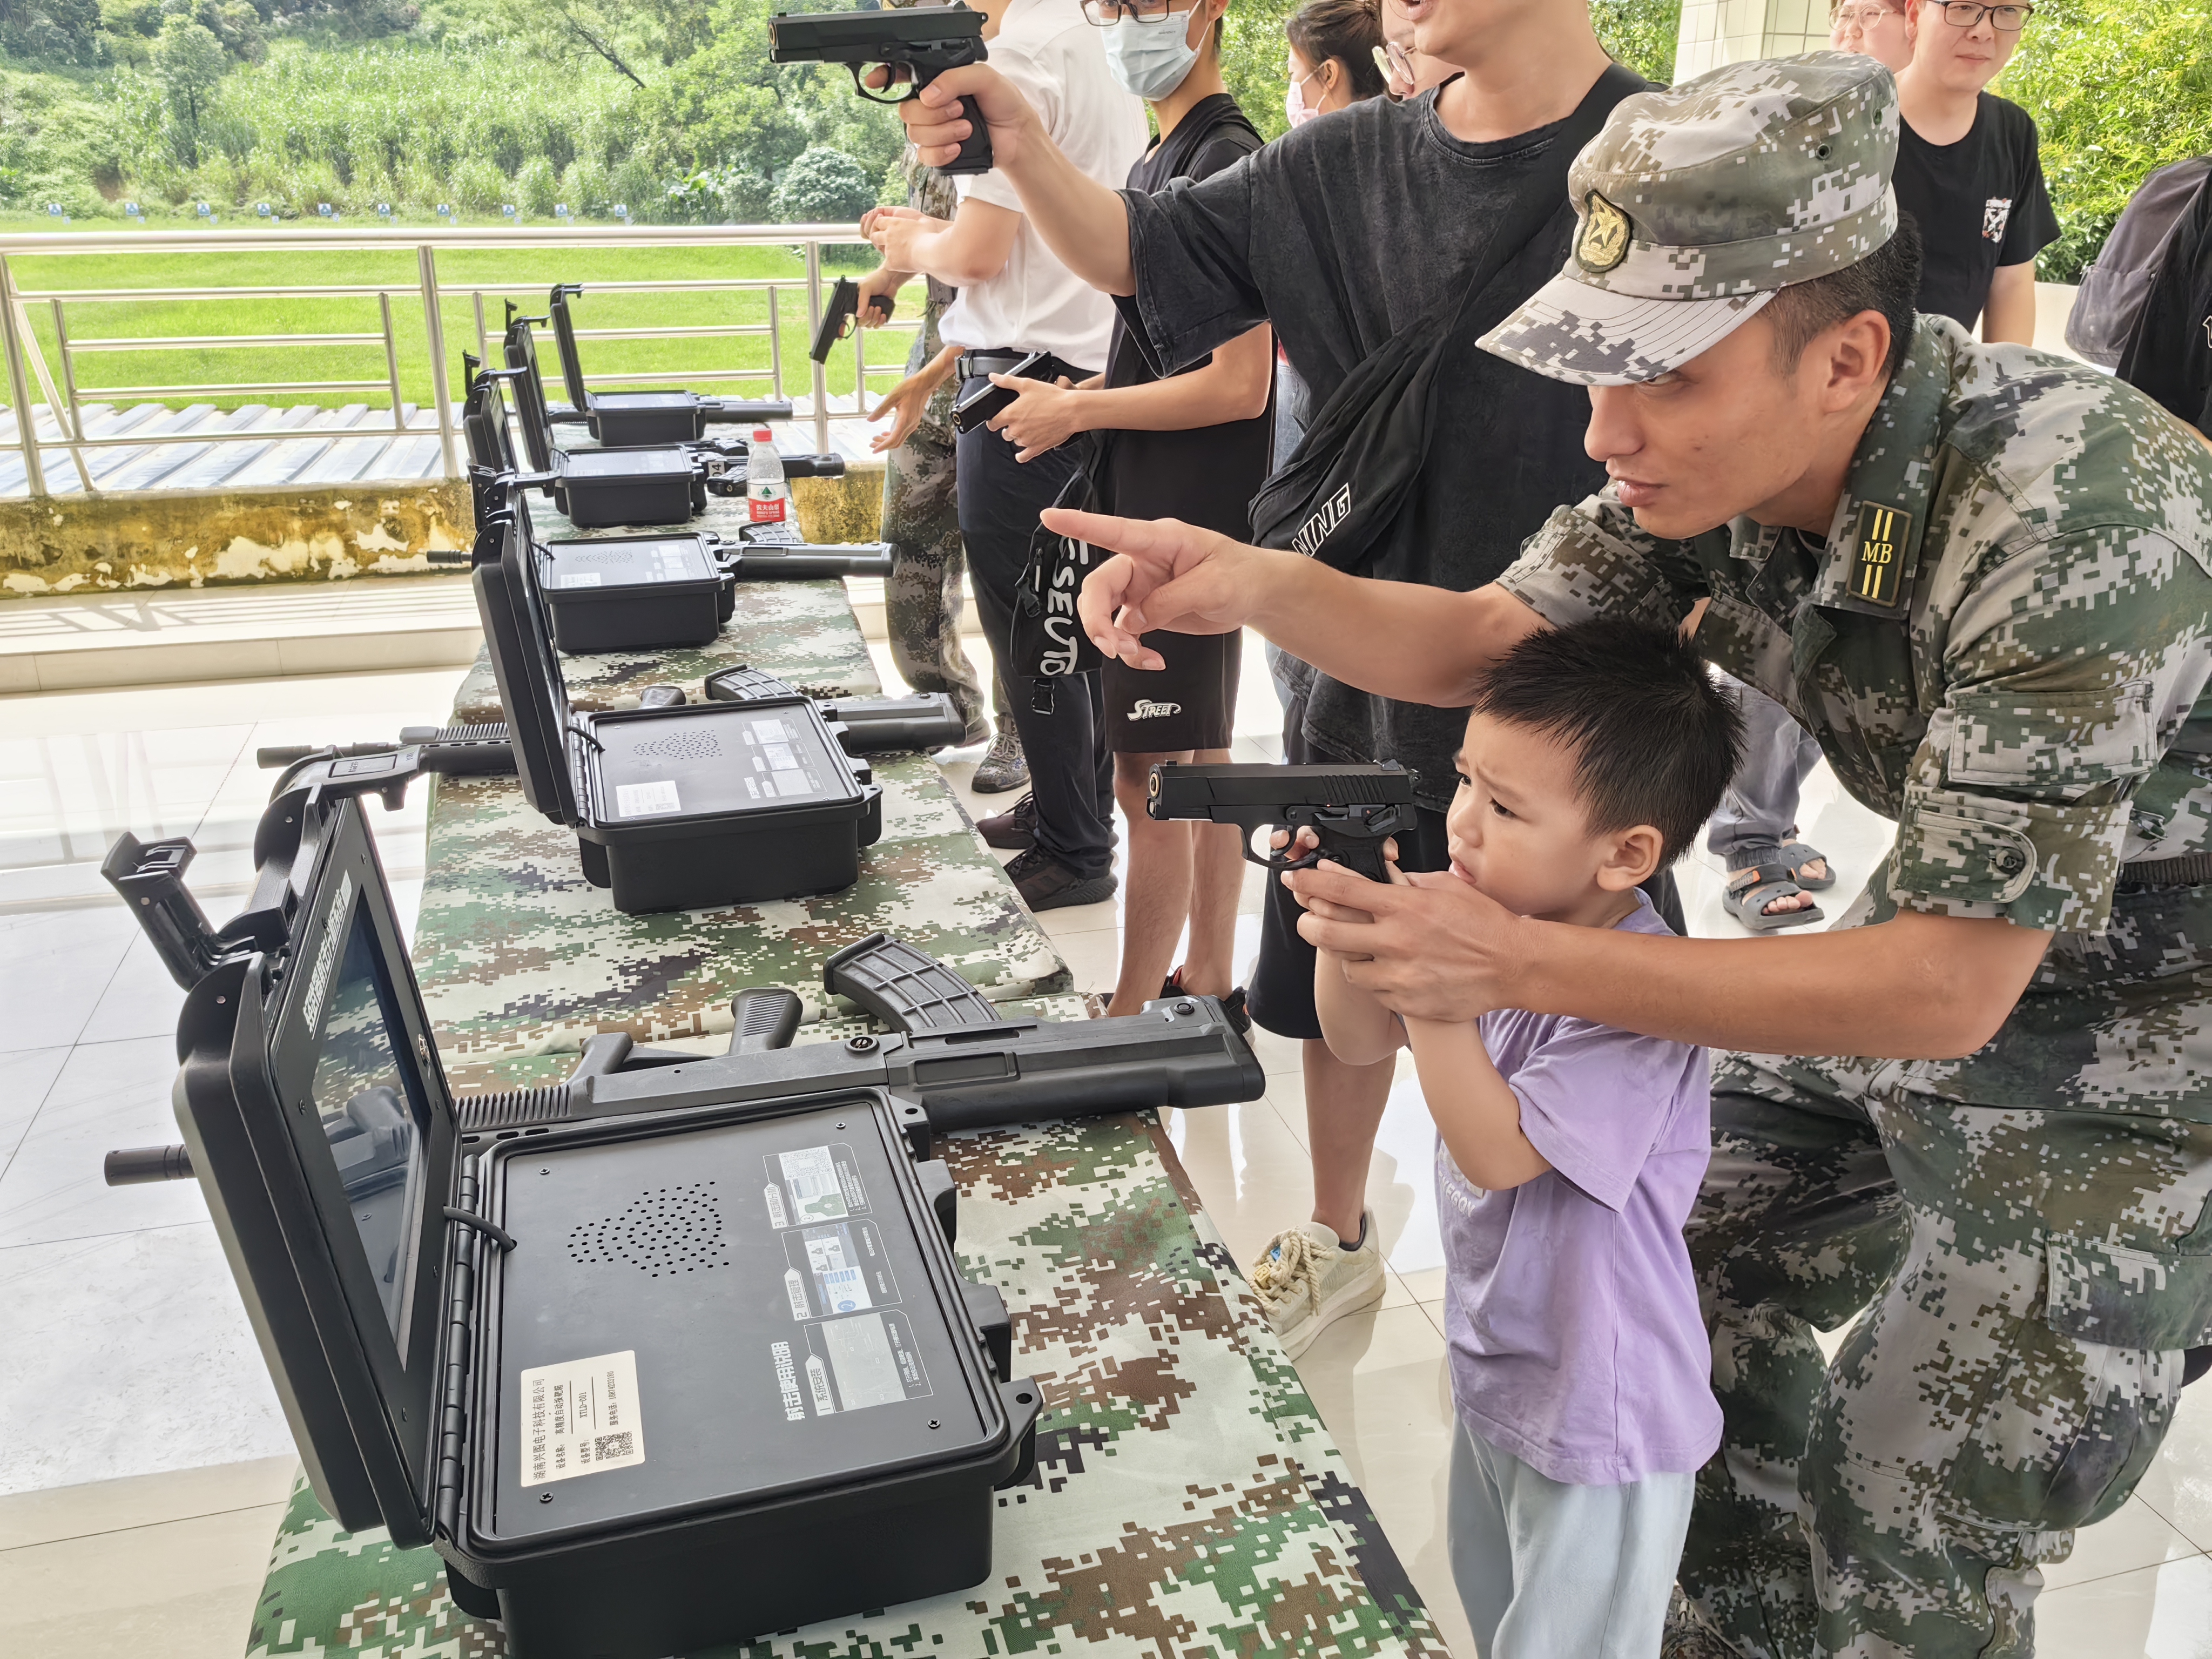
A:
1695	204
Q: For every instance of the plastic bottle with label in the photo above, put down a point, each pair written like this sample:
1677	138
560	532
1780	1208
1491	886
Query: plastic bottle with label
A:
768	498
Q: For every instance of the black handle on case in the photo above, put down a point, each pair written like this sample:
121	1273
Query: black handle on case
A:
764	1019
133	1166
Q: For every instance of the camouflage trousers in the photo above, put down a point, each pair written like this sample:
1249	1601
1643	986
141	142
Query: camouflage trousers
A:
921	598
2020	1242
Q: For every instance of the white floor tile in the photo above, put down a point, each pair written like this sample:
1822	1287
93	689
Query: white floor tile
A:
137	1501
1380	1385
26	1075
2179	1486
2152	1613
2135	1536
54	967
108	1095
128	1355
183	1589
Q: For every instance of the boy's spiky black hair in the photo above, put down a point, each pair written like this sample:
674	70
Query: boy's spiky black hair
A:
1656	740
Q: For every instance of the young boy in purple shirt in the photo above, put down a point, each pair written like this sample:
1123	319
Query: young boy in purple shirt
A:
1571	1154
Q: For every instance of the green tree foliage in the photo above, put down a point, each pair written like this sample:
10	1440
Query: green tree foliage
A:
822	186
2118	88
188	66
55	31
1640	33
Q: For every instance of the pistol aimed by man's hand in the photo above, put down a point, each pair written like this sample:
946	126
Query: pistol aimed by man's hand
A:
1353	809
913	46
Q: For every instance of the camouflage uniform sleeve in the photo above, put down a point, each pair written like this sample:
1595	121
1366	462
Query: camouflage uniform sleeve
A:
2062	687
1592	560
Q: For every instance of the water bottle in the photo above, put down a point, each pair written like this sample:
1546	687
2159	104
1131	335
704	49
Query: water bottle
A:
768	498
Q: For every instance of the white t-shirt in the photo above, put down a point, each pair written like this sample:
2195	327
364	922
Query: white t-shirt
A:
1036	303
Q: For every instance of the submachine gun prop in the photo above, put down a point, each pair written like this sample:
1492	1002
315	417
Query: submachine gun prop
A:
1353	809
916	45
596	1340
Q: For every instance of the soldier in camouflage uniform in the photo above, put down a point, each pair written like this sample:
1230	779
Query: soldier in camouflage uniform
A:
1984	580
921	518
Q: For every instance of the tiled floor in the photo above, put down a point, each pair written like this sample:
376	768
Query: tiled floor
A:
146	1458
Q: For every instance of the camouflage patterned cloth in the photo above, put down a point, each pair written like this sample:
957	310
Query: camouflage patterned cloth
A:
518	953
2002	645
1186	1499
1697	202
921	509
801	631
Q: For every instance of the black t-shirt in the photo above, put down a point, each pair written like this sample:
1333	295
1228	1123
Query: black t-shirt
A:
2168	353
1341	232
1980	203
1204	475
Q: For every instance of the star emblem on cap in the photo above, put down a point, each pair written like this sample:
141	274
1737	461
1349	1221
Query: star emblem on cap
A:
1604	243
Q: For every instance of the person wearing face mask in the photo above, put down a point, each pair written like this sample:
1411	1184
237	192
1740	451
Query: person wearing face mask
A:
1195	447
1331	62
1383	225
1017	298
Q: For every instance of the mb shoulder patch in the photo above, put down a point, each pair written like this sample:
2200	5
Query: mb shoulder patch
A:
1884	534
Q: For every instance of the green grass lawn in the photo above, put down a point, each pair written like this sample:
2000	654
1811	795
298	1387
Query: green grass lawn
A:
522	275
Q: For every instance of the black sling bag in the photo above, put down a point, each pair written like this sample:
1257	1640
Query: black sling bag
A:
1342	496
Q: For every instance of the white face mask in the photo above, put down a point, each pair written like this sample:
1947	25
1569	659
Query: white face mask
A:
1294	101
1150	59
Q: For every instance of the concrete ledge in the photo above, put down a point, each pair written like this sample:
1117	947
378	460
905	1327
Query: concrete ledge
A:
847	509
82	544
250	632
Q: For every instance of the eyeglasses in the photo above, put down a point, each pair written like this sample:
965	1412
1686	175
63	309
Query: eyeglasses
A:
2005	19
1104	13
1400	59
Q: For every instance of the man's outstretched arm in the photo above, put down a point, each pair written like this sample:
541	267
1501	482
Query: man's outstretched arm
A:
1083	223
1919	986
1397	639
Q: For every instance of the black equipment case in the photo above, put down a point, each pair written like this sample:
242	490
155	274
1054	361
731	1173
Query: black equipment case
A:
595	488
673	1354
675	807
620	418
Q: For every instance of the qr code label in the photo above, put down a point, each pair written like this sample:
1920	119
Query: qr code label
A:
581	1418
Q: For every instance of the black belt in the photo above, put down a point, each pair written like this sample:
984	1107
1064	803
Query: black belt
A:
975	365
2188	869
971	365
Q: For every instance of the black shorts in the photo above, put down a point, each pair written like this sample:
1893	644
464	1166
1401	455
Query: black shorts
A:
1189	704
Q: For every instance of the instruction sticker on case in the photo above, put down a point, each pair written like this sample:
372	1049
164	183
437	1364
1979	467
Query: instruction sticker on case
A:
866	1360
582	578
645	800
815	1183
580	1418
839	1268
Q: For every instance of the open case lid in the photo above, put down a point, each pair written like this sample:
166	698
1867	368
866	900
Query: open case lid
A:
518	638
322	1128
564	337
483	425
530	396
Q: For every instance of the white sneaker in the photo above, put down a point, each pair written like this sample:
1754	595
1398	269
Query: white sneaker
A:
1306	1281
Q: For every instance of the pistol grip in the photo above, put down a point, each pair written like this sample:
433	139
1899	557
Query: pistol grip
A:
976	149
1361	854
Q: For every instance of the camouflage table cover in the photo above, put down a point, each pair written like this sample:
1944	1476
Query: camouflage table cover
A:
800	631
517	953
1186	1499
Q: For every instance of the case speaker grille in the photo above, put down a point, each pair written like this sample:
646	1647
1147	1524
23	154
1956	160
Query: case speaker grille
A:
682	746
666	1230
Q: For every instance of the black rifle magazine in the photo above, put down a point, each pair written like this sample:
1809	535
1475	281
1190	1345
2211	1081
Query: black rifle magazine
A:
647	1382
674	808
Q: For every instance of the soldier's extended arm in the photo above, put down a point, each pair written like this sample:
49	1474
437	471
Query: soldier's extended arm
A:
1918	987
1397	639
1083	222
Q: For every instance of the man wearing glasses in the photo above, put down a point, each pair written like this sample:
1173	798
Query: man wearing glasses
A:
1969	170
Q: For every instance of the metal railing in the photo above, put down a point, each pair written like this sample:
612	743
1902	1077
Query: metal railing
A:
28	371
